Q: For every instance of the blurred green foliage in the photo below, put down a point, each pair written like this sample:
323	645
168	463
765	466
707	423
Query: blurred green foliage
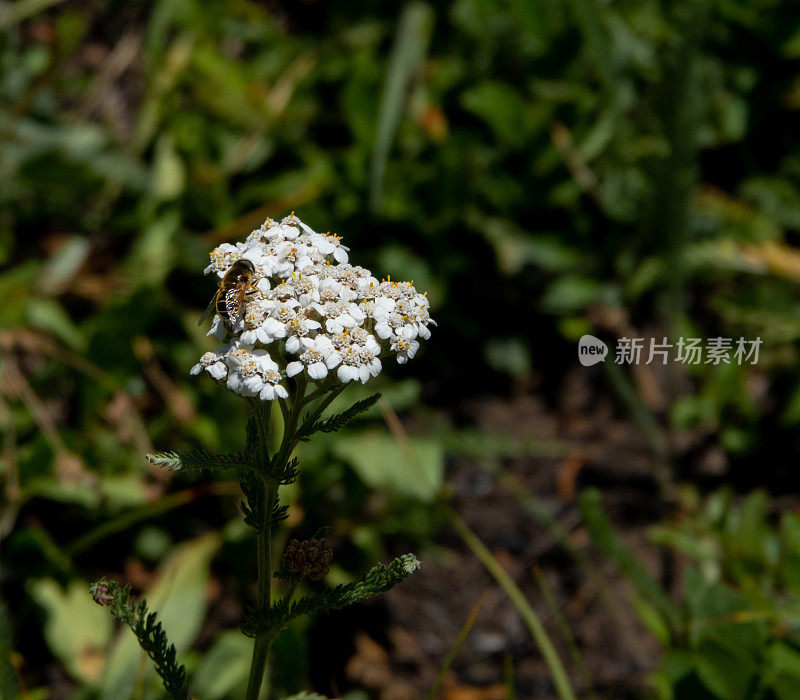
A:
544	169
735	630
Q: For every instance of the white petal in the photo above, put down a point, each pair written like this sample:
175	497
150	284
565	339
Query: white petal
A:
263	336
304	263
310	231
294	368
317	370
332	360
267	393
344	373
196	369
253	384
385	304
248	337
382	330
290	232
274	327
293	344
218	370
280	391
217	328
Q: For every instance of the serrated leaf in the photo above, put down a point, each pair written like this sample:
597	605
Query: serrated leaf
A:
199	460
338	420
149	632
179	595
379	579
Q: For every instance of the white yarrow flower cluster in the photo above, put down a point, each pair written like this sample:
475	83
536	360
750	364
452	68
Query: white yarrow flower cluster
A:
309	311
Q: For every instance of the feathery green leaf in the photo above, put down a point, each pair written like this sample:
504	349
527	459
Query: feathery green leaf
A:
199	460
254	506
148	631
336	421
377	580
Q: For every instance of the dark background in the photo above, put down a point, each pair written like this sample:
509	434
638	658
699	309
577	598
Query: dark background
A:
544	170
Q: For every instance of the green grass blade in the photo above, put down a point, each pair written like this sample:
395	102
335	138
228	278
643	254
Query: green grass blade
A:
462	637
602	533
529	617
410	46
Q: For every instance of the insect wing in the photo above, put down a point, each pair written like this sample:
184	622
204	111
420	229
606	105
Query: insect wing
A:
209	311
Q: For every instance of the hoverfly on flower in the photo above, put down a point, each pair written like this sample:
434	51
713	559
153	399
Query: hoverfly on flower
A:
229	299
290	303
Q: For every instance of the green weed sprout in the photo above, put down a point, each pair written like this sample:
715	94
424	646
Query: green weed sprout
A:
299	323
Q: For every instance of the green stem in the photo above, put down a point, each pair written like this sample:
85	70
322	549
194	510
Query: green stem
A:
263	640
334	392
261	414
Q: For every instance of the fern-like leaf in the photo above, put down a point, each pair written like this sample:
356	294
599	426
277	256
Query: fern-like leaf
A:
199	460
336	421
279	512
378	580
254	506
286	473
148	631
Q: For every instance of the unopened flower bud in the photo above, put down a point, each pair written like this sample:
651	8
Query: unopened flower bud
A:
310	558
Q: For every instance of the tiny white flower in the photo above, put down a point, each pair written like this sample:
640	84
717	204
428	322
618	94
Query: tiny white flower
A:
212	363
273	389
358	363
297	328
222	257
340	315
333	290
218	329
405	349
328	244
317	358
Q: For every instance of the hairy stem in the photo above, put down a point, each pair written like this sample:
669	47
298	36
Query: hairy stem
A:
264	640
291	414
262	415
